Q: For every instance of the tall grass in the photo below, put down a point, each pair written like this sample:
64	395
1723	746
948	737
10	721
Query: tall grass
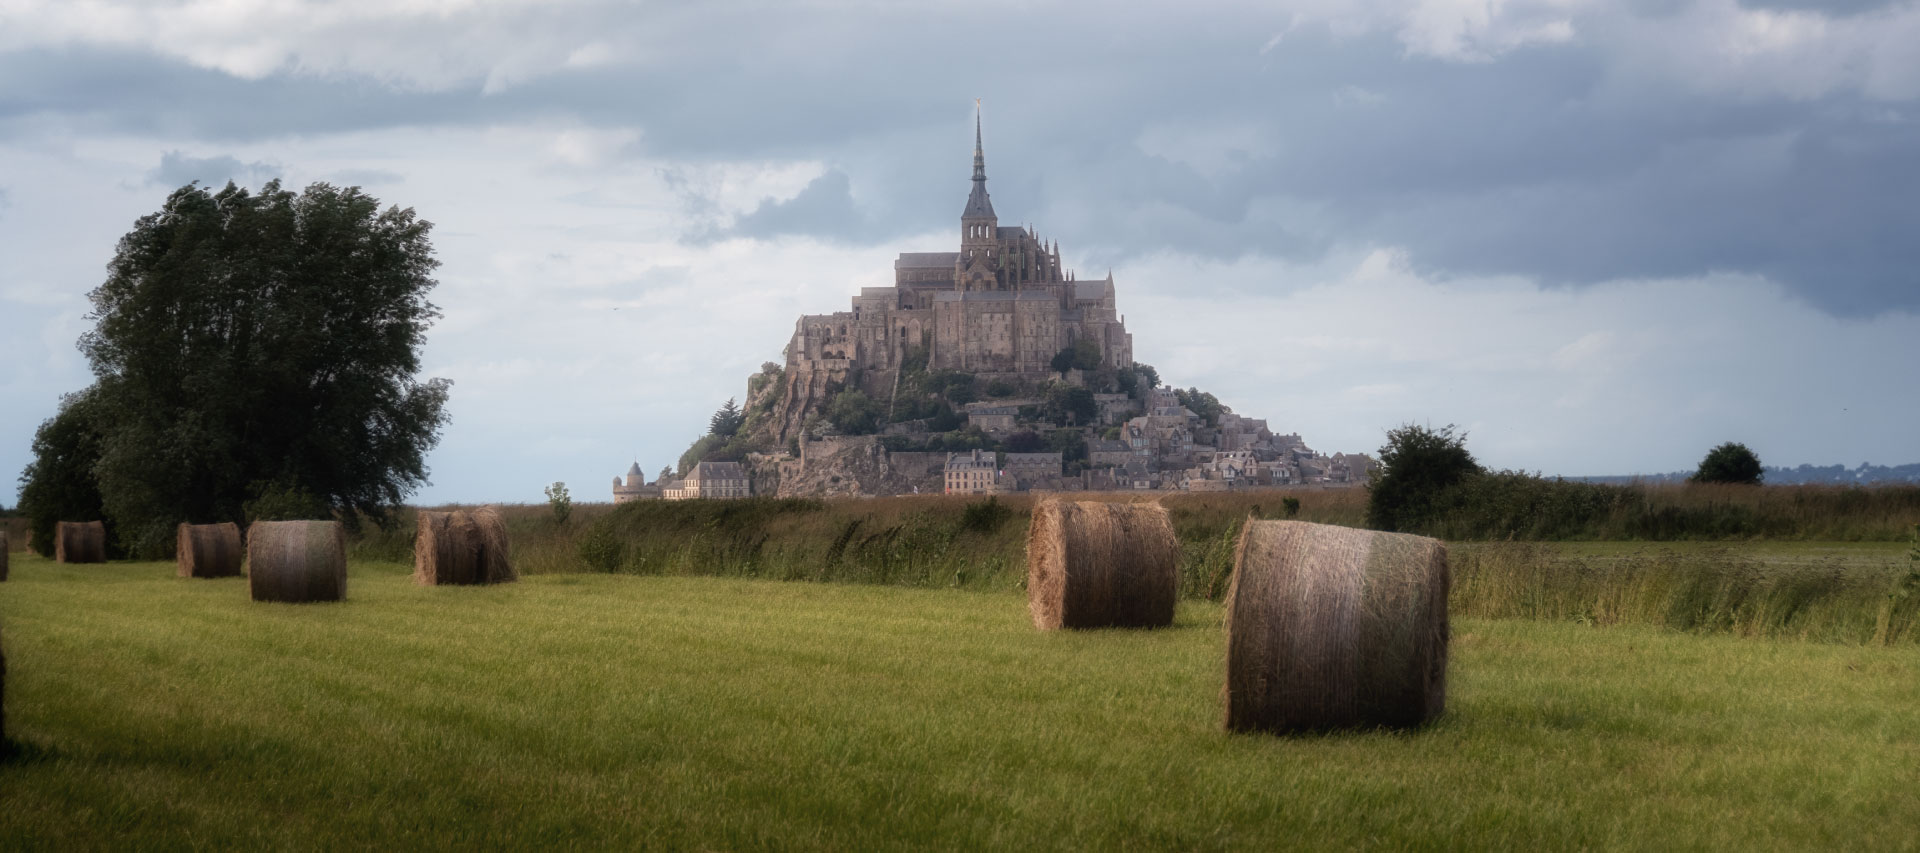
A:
923	541
1509	505
979	543
1714	590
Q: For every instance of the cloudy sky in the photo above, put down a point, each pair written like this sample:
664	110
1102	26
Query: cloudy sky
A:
1601	236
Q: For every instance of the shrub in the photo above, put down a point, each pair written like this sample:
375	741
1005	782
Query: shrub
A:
1729	463
985	516
560	502
600	548
854	413
1417	464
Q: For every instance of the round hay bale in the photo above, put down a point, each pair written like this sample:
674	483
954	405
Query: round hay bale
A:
297	561
80	542
1332	627
208	550
461	547
494	565
1092	564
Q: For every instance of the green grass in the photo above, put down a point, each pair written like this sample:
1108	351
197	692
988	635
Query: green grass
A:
1846	592
703	713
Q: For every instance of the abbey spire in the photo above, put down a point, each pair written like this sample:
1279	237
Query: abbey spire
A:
978	265
979	206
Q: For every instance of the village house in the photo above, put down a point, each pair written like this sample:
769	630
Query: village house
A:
972	473
710	480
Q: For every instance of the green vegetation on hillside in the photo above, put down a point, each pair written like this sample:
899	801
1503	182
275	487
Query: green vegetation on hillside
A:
930	406
152	712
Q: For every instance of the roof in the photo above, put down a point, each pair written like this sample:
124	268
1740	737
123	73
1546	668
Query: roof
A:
977	202
925	260
1092	291
636	473
970	459
1104	446
992	296
717	471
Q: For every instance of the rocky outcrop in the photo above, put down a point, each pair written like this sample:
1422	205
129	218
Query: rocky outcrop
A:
857	466
804	393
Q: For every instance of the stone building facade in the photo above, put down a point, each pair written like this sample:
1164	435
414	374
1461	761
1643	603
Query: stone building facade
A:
635	488
710	480
973	473
1002	305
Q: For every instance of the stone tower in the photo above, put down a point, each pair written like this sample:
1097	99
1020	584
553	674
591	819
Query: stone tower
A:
977	267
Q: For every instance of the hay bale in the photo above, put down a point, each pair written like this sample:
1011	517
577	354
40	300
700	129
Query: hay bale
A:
297	561
209	550
80	542
1097	565
1331	627
461	547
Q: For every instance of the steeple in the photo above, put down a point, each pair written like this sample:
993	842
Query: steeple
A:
978	204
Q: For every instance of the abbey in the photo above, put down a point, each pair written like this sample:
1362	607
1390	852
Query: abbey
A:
1001	305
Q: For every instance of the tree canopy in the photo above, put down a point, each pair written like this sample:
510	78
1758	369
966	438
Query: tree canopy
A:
1201	403
1729	463
1417	464
254	349
854	413
1071	405
1082	354
727	420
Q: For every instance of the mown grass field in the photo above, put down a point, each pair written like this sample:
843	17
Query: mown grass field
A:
722	713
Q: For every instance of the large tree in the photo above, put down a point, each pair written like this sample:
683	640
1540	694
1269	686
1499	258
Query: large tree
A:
260	350
59	485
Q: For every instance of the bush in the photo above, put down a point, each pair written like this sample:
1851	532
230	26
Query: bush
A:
600	548
1067	404
1071	443
1203	404
854	413
1729	463
560	502
282	500
1417	465
985	516
1025	441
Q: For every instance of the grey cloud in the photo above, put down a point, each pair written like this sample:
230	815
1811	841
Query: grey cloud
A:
1835	8
366	177
824	209
177	169
1555	162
